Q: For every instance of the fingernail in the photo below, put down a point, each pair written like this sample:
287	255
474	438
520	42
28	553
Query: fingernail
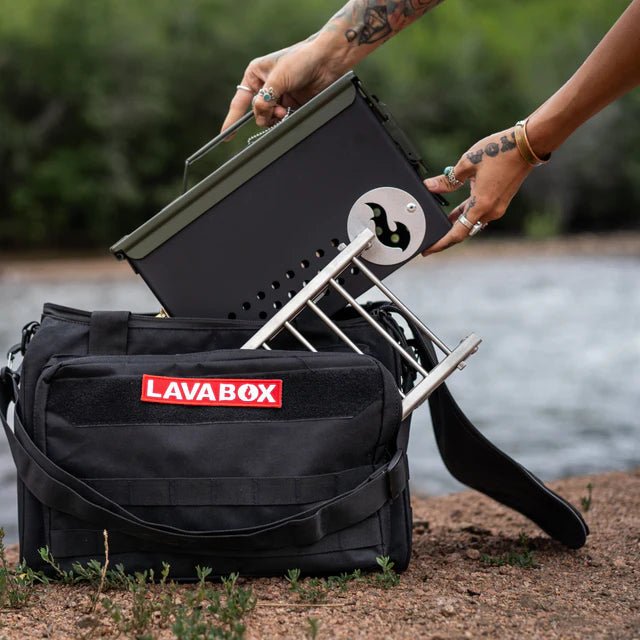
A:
432	183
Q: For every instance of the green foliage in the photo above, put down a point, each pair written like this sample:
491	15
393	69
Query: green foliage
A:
208	614
92	573
524	558
314	590
314	628
586	501
147	608
388	577
100	102
16	584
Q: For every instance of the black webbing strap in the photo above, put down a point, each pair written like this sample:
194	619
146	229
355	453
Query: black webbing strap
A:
478	463
108	332
56	488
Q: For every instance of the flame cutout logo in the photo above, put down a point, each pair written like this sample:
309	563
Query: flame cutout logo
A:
397	238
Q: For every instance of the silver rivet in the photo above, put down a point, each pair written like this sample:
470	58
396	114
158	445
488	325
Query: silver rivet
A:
411	207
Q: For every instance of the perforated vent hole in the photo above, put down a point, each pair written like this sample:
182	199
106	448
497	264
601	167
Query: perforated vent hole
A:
263	315
246	306
335	242
261	295
355	271
291	294
319	253
277	304
275	285
232	316
304	264
290	275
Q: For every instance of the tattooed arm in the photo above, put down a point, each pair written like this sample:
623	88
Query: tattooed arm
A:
494	167
301	71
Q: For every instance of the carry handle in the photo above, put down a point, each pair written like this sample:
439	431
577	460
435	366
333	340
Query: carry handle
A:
212	144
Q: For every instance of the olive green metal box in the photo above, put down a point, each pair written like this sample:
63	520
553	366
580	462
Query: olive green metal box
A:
244	240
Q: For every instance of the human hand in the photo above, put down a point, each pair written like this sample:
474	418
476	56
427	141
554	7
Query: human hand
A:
495	170
294	74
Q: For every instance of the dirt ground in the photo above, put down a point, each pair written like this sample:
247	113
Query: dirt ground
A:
450	591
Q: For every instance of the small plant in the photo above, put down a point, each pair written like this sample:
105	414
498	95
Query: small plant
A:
526	559
388	578
314	590
16	584
91	573
314	628
585	502
220	618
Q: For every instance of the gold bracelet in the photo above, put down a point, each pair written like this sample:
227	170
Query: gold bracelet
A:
524	146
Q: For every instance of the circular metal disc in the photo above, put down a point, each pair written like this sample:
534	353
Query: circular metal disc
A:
397	219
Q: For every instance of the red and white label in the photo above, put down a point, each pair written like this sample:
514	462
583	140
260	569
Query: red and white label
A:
212	392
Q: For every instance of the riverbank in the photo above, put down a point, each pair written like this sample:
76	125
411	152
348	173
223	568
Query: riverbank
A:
82	266
470	577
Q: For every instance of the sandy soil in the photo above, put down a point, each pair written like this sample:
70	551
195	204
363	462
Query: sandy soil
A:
448	592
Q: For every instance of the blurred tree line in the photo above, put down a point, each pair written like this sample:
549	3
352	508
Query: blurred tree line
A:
101	101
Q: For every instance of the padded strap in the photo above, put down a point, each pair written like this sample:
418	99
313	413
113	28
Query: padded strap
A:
475	461
56	488
108	332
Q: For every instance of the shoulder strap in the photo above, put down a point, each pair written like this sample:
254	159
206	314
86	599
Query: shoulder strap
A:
58	489
475	461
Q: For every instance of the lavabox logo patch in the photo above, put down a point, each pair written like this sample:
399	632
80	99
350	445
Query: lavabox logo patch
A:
212	392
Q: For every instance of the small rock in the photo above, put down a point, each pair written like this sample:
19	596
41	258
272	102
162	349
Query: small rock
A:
86	622
594	560
472	554
619	562
448	611
479	531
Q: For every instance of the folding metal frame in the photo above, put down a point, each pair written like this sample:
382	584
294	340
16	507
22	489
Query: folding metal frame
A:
328	278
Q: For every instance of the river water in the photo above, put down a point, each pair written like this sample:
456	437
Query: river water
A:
555	383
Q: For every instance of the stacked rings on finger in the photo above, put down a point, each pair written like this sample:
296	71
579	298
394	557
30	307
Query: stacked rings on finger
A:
267	94
450	174
473	228
244	88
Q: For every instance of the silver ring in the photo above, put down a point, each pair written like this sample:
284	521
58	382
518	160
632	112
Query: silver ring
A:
450	174
477	228
463	220
241	86
267	94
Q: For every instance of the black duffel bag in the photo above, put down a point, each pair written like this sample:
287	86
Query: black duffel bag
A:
191	451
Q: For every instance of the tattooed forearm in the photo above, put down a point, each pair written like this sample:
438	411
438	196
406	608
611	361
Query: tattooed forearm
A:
492	149
373	21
